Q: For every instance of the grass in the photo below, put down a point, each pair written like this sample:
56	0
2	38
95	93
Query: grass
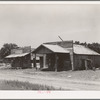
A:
18	85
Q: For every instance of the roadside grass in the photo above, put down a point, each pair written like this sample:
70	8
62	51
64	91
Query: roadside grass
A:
18	85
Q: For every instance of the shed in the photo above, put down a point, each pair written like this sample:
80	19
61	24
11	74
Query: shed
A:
20	58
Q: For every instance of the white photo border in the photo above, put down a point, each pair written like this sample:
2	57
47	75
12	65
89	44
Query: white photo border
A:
53	94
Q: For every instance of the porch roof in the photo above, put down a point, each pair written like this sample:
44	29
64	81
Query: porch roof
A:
16	55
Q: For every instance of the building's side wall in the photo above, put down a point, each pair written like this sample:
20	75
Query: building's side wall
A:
62	61
15	63
97	61
27	61
78	61
16	51
21	50
50	61
22	62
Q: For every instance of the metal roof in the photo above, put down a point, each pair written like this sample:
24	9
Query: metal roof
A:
55	48
16	55
79	49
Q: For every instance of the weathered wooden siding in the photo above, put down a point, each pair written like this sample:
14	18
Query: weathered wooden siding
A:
43	50
96	61
27	61
78	61
22	62
63	61
21	50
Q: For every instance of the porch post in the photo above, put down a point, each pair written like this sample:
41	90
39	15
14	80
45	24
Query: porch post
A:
86	64
72	62
56	63
72	59
44	60
35	61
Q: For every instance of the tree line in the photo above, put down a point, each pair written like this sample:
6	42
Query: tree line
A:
6	49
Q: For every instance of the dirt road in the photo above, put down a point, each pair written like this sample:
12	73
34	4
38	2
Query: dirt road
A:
66	84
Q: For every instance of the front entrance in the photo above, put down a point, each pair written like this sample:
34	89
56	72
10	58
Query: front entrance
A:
41	62
60	60
64	62
89	64
50	60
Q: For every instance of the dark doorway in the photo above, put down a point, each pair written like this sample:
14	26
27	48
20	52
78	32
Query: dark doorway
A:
41	62
86	64
82	64
64	62
89	64
50	60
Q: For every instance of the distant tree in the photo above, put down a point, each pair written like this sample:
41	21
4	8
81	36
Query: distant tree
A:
95	47
84	44
77	42
6	49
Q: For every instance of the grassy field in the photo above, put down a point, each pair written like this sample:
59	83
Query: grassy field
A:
17	85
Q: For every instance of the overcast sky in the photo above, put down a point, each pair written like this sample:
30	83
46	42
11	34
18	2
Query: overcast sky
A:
31	25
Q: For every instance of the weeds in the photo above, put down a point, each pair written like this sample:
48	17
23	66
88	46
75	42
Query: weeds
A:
17	85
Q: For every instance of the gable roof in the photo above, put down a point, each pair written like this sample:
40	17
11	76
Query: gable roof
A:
32	49
55	48
79	49
52	48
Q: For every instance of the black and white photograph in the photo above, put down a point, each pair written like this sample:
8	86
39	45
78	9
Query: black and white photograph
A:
49	47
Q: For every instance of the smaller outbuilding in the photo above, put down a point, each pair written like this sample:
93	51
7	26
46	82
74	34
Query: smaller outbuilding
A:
20	58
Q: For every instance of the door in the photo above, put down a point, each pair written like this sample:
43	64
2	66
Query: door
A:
64	62
82	67
89	64
41	62
86	64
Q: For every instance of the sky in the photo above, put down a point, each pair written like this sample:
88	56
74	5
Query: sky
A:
34	24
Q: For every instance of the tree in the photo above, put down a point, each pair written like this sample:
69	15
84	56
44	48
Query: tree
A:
95	47
84	44
6	49
77	42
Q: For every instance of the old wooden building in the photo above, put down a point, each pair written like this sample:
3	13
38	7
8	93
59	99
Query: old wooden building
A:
20	58
65	55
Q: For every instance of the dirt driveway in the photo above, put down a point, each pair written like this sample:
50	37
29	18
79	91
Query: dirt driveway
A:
48	79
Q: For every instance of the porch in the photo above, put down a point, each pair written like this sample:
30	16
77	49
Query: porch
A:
55	58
